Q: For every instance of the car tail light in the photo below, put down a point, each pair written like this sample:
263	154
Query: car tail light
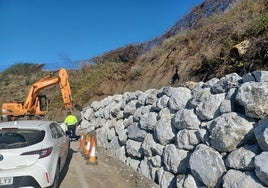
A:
47	176
42	152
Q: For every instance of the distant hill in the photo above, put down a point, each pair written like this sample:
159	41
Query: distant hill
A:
216	38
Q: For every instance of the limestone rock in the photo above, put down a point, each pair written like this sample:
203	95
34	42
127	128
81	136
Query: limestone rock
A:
187	139
207	165
261	165
179	98
208	108
165	178
254	97
135	133
237	179
133	149
243	158
186	119
228	130
175	159
261	134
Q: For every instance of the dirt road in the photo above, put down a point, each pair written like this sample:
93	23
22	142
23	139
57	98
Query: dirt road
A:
109	172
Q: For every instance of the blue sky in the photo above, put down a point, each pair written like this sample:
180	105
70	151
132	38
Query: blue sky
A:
59	33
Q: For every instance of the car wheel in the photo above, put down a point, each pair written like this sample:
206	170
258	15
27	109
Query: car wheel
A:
57	177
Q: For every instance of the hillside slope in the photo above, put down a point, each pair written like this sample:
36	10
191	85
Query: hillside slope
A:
206	51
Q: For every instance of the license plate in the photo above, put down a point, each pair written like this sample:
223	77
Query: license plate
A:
6	180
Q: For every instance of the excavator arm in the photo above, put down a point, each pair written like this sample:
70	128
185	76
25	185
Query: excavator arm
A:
31	105
65	89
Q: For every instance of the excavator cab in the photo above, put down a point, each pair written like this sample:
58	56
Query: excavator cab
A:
43	102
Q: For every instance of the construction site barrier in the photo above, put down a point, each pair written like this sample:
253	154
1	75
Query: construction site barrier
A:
82	142
87	147
92	158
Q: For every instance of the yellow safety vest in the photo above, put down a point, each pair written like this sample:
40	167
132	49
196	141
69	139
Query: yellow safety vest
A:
70	120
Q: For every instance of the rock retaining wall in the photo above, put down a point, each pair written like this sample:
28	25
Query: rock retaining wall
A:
214	134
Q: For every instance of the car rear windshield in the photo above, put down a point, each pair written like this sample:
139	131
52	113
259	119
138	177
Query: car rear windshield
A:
18	138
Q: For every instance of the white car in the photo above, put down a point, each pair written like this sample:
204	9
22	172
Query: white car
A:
32	153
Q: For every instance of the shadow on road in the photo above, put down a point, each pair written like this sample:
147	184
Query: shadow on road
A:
66	166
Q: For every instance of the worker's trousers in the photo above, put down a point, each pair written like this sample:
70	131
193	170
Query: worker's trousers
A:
72	130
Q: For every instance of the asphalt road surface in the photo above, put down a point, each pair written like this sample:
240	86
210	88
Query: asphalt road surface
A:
109	172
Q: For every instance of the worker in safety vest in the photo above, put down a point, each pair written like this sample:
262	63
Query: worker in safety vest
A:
71	122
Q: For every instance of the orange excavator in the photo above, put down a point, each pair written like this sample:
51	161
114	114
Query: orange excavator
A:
36	105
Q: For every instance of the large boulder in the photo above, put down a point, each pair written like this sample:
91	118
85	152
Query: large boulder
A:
261	134
186	119
207	165
226	83
150	147
237	179
179	98
135	133
254	97
188	181
166	178
261	167
243	158
133	149
175	160
189	139
228	131
164	131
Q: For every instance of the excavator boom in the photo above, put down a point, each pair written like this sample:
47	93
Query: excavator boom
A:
65	89
33	104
